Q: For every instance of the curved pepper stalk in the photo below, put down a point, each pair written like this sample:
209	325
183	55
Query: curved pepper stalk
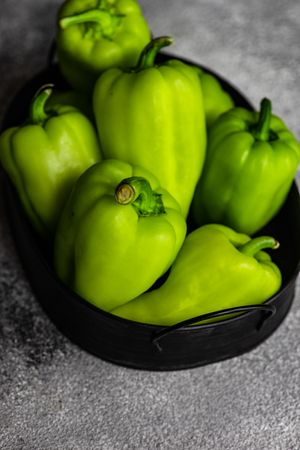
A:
38	114
256	245
137	192
261	130
150	52
107	22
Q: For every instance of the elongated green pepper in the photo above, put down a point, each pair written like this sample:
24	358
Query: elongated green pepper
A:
153	116
215	269
94	35
251	161
216	100
45	156
118	233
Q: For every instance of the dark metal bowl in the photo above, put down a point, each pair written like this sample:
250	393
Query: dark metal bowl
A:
146	346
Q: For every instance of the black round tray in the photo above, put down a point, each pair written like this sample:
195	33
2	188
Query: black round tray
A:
146	346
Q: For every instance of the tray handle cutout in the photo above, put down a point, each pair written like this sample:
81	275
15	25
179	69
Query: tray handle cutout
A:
267	312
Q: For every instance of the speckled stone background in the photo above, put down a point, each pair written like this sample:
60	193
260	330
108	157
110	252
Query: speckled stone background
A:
54	395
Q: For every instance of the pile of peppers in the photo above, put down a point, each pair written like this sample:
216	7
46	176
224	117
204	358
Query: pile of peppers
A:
113	171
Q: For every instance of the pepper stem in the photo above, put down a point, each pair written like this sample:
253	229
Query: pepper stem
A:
251	248
151	50
100	16
138	192
261	130
38	114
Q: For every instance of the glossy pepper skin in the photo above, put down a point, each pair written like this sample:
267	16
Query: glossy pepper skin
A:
95	35
251	161
215	269
153	116
45	156
216	100
118	233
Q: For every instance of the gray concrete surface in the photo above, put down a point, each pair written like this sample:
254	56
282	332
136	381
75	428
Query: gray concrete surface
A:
53	395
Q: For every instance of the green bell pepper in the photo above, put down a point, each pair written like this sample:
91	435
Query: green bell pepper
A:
216	100
153	116
251	161
94	35
215	269
45	156
118	233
